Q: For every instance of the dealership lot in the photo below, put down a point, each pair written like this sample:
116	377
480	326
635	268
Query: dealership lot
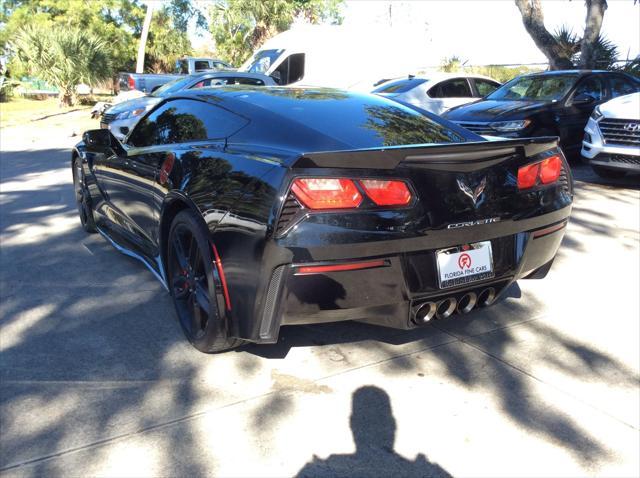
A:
98	379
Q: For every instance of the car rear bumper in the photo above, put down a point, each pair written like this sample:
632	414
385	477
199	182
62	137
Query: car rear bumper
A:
389	292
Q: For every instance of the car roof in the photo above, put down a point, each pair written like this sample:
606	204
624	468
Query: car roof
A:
565	72
439	76
299	113
227	74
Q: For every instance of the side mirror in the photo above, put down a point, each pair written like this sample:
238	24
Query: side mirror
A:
100	138
583	99
277	77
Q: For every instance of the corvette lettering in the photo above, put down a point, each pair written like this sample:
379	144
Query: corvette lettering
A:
479	222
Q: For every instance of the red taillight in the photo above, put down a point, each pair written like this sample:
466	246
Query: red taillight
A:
387	193
547	171
327	193
550	169
132	83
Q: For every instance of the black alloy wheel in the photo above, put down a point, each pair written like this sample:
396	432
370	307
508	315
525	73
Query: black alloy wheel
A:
83	201
195	285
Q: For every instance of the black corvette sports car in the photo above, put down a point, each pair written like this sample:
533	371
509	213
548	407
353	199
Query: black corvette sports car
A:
263	207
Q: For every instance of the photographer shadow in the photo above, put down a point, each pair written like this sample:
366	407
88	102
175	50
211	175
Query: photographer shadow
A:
374	430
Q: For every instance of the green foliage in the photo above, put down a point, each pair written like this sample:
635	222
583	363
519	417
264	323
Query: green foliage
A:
500	73
451	64
241	26
62	56
166	43
632	67
568	42
7	87
605	52
182	11
117	22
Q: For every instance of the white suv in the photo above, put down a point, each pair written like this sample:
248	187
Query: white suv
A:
611	143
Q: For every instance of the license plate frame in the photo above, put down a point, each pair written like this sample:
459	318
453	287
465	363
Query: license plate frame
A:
450	260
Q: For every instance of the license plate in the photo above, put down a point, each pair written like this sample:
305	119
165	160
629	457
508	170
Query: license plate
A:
464	264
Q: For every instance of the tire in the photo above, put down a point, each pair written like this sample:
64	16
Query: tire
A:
83	200
607	173
195	286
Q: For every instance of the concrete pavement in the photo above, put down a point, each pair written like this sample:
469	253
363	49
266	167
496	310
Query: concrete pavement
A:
97	378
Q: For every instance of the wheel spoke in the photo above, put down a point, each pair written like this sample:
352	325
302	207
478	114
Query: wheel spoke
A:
196	314
179	252
194	254
202	298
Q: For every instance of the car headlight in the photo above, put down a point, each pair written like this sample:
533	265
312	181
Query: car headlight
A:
597	114
510	125
123	115
131	113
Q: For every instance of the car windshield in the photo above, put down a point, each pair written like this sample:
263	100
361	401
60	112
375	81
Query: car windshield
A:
542	88
173	86
262	61
400	86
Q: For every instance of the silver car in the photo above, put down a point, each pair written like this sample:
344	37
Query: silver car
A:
122	117
438	92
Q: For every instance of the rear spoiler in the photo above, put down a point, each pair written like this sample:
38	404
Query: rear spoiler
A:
460	157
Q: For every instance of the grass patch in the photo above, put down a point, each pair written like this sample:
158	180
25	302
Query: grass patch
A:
20	111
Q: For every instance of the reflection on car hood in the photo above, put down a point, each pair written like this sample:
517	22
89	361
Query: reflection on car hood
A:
623	107
491	110
143	102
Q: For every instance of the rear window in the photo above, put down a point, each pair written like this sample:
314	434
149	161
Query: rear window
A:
228	80
358	121
400	86
200	65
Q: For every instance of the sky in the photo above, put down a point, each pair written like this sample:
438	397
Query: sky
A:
479	31
489	31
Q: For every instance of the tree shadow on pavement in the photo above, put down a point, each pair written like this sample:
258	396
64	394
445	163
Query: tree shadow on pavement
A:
584	173
92	352
374	431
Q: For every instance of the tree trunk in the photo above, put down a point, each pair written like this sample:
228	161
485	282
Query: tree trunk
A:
143	38
593	24
533	20
67	98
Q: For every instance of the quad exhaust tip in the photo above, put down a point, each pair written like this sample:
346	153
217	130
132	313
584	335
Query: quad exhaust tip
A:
467	302
486	297
442	309
425	313
446	307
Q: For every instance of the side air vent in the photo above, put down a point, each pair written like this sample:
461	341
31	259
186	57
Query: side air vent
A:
271	301
564	182
289	212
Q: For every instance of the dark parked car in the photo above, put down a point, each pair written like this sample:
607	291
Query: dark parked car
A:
553	103
263	207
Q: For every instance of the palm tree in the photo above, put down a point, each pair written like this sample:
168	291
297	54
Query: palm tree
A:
604	52
62	56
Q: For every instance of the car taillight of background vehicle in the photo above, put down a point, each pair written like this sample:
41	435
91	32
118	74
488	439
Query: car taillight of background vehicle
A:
131	82
342	193
546	171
